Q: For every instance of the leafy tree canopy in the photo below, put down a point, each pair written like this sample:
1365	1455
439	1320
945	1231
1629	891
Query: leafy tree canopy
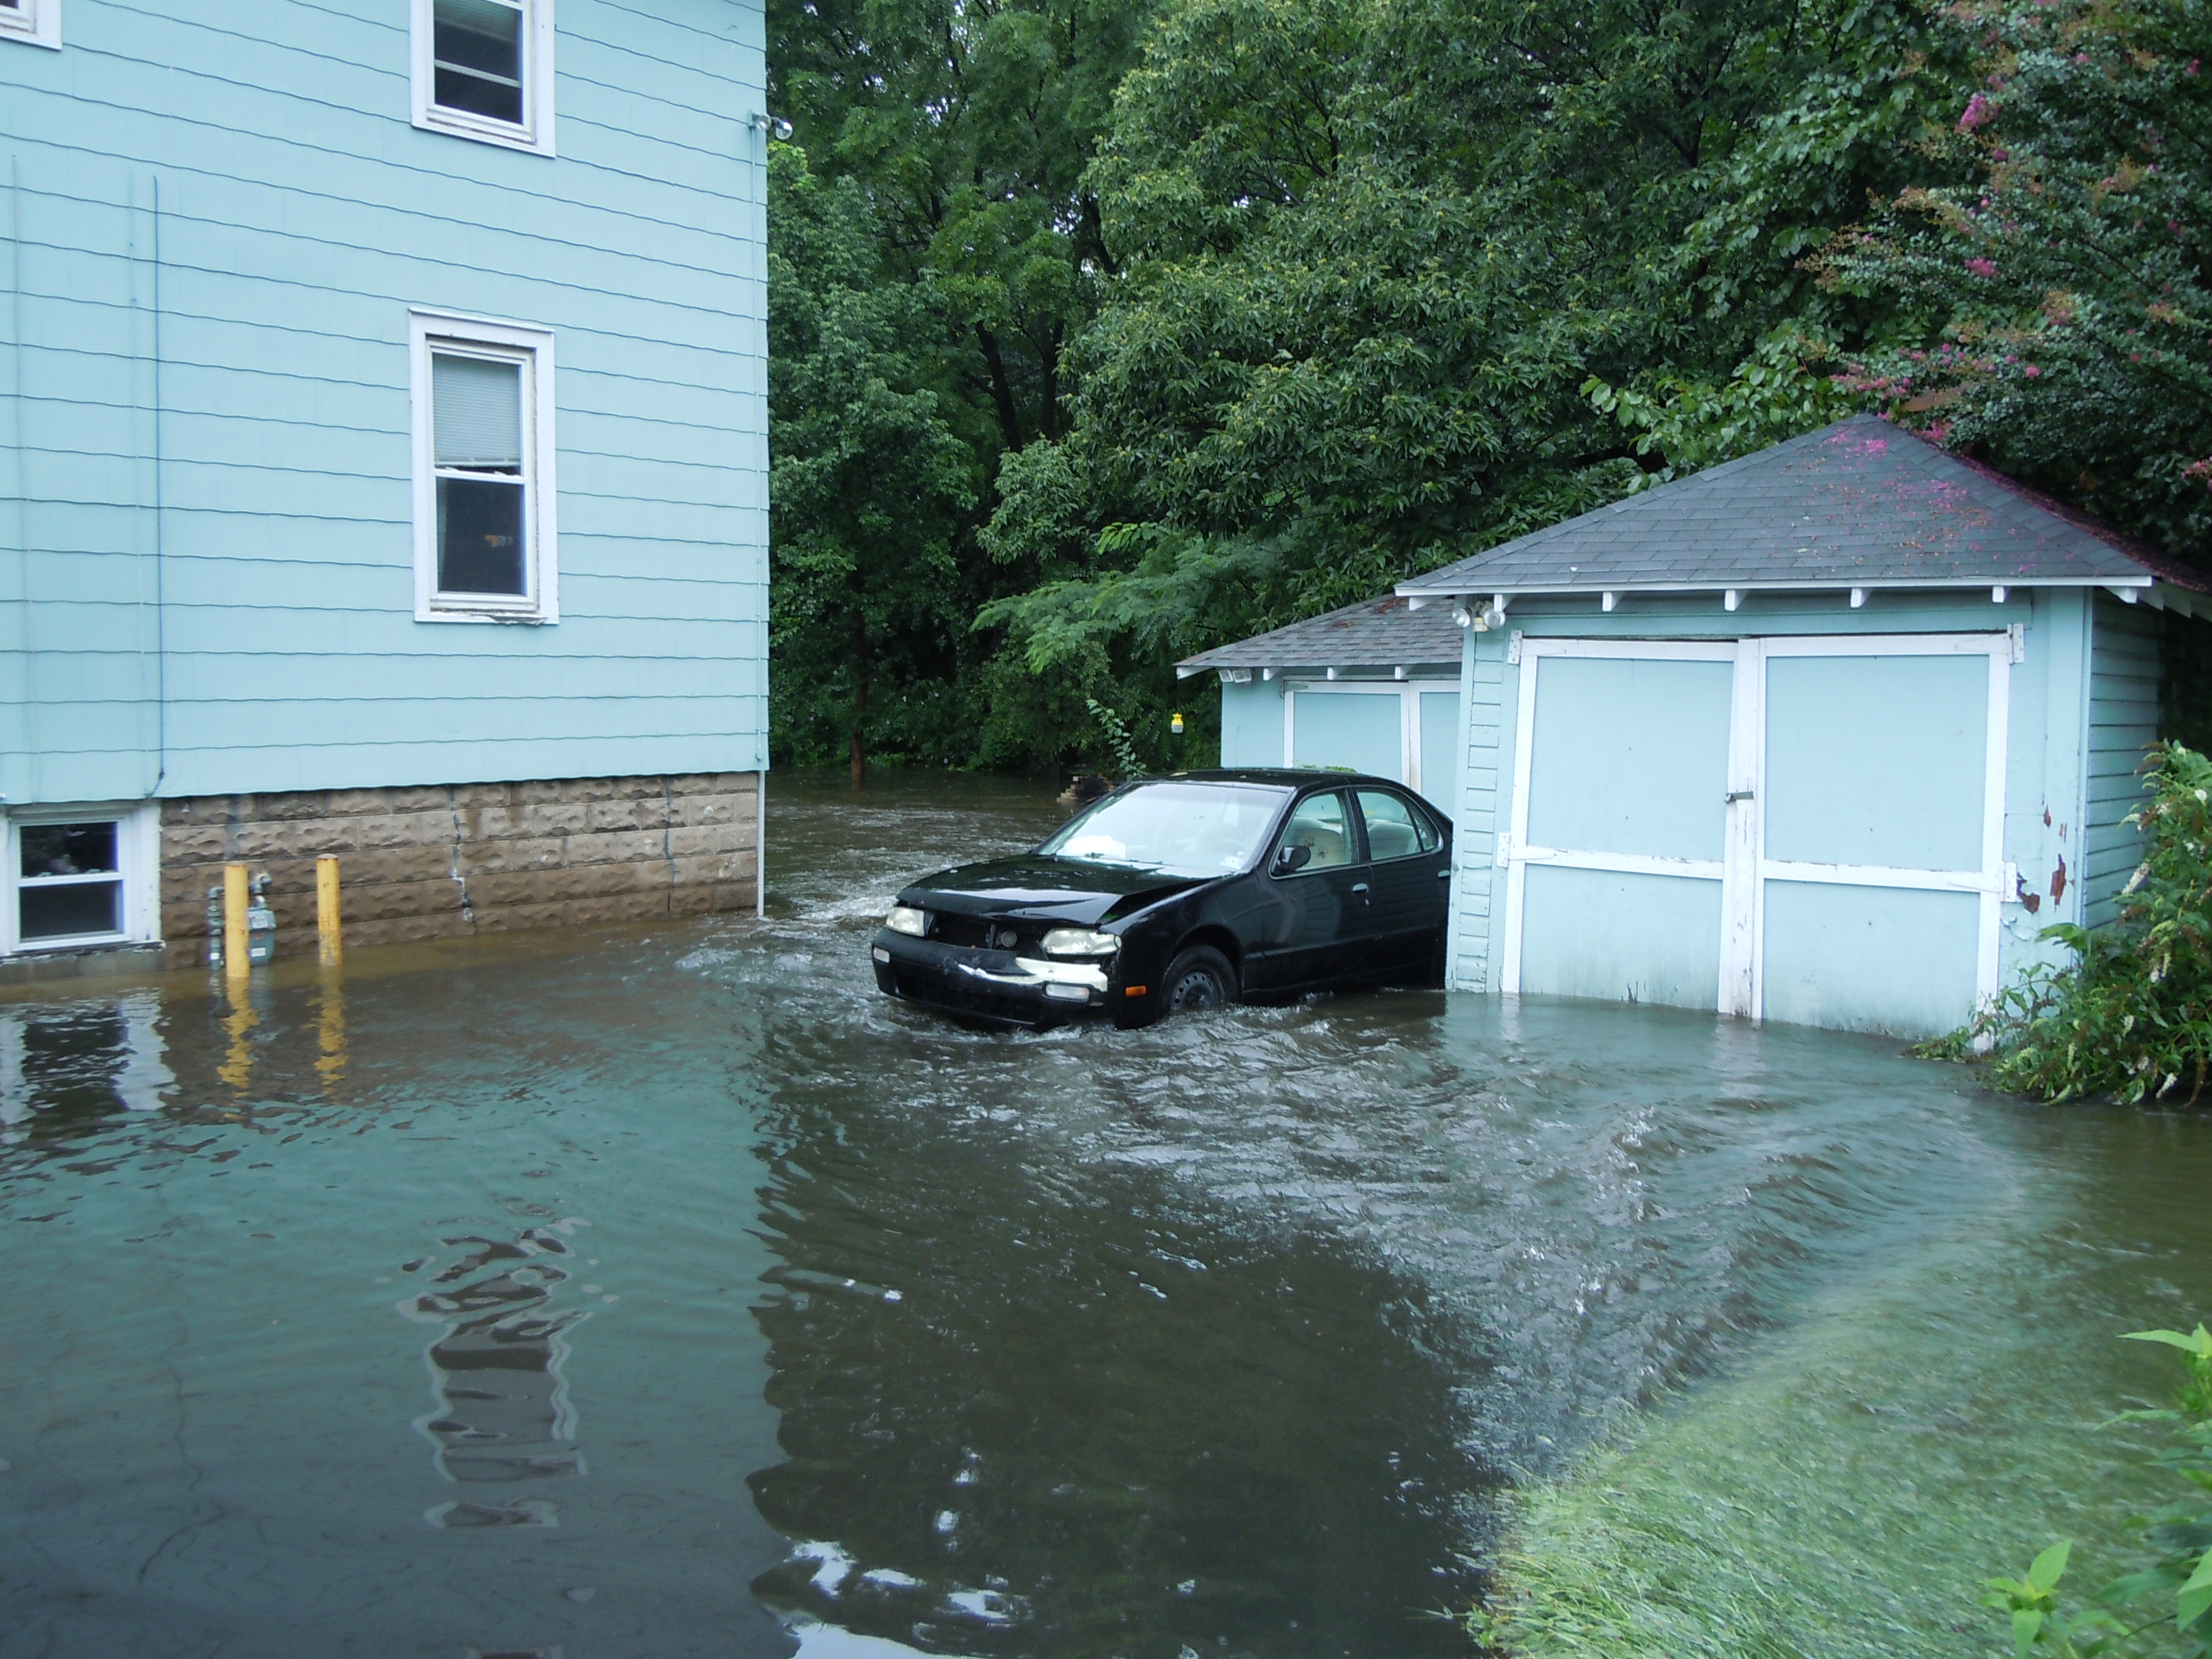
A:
1244	309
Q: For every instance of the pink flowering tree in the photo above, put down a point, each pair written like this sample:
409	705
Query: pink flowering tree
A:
2052	308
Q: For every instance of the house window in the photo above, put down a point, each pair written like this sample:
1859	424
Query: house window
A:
483	471
484	70
35	22
79	876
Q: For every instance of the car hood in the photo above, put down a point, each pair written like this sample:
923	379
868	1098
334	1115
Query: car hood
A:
1073	890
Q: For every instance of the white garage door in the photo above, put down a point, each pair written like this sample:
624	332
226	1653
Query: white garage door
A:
1809	830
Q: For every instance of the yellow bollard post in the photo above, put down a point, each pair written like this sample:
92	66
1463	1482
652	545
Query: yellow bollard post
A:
326	909
234	903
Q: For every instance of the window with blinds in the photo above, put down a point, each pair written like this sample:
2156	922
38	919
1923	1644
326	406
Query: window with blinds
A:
483	497
484	462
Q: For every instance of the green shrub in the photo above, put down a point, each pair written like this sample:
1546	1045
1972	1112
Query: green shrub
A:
2170	1598
2132	1015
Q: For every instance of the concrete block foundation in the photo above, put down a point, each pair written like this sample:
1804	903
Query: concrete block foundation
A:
448	861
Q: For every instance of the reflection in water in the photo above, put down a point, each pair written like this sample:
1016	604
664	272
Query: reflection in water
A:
1088	1423
496	1370
63	1069
237	1023
331	1027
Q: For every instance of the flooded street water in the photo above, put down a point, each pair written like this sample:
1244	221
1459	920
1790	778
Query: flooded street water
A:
671	1292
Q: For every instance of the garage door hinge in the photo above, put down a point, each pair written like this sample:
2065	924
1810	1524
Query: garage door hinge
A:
1513	646
2018	632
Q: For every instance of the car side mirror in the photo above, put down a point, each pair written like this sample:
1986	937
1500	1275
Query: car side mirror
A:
1289	859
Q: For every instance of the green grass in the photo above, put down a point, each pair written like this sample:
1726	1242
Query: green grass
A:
1846	1494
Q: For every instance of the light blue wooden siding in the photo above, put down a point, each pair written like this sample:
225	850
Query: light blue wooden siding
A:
1439	742
2123	672
256	632
1252	723
2045	778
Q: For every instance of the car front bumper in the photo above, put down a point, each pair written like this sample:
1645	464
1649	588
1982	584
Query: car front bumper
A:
999	986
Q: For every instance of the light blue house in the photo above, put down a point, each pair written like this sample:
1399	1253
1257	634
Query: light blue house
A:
385	460
1825	735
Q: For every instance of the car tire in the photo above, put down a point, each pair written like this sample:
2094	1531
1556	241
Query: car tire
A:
1200	977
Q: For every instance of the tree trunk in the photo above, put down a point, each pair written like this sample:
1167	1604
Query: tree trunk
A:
1002	389
860	689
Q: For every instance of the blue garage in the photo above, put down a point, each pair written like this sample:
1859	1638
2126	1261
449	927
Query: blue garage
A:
1827	734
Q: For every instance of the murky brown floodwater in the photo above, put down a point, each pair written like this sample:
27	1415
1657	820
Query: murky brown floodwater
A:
669	1291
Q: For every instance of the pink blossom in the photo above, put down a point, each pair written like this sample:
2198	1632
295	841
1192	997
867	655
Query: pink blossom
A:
2030	370
1982	267
1980	111
2192	70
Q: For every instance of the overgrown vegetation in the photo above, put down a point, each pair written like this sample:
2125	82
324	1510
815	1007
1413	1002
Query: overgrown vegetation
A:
1107	331
2131	1013
2166	1602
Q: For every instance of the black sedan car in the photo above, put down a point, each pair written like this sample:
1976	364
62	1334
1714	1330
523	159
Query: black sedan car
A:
1181	892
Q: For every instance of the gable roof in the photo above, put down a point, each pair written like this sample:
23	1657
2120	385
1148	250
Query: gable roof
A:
1378	633
1860	504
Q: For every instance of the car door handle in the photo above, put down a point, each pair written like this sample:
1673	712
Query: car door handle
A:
1360	888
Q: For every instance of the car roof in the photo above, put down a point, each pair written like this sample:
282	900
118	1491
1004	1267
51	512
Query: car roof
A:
1287	777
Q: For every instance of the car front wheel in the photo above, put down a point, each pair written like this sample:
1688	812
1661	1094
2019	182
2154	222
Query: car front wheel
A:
1200	977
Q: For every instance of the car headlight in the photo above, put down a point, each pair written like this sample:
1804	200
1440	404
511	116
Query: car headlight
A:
1080	942
905	919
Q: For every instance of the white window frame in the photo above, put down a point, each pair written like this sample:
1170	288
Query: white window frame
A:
137	858
535	134
33	23
484	337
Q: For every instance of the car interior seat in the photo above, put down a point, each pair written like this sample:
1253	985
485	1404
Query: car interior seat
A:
1390	839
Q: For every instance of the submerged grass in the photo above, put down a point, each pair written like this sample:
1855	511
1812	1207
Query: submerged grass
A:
1843	1498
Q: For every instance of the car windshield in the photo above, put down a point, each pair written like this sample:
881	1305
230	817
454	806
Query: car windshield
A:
1190	828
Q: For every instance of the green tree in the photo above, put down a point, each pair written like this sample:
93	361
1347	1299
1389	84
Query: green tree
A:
871	486
1401	278
944	231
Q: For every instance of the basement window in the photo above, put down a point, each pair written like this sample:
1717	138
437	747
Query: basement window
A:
33	23
484	70
484	533
85	878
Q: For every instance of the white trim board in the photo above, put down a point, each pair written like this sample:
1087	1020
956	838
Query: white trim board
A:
32	23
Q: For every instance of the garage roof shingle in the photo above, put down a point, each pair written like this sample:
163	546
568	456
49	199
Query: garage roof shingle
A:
1861	503
1379	633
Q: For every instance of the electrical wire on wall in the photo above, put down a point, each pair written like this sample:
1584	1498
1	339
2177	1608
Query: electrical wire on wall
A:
161	562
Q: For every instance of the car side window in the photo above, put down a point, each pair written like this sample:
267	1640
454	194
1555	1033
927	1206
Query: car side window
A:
1396	828
1320	826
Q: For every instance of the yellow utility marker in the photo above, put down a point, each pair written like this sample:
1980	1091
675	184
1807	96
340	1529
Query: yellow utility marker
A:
326	909
235	964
